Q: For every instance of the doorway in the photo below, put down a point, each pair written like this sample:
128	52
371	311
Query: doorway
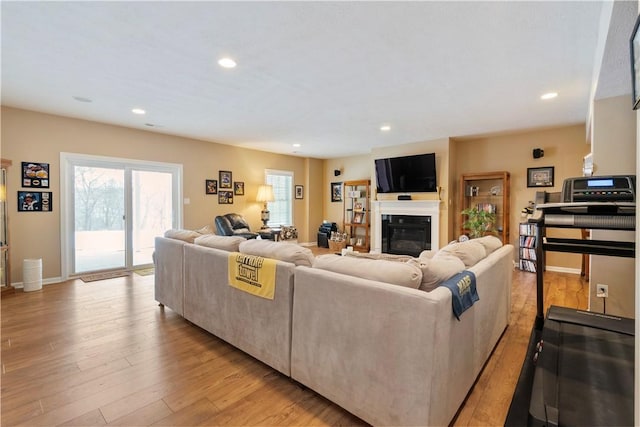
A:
113	210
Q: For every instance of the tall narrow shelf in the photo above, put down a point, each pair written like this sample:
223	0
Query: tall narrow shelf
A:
5	268
357	215
490	191
527	247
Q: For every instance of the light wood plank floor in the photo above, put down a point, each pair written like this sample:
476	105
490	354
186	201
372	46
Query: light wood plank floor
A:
104	353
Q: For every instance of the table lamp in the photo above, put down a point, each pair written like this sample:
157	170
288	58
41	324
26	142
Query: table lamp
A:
265	194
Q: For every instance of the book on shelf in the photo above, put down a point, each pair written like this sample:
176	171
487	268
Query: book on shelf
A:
528	229
526	253
486	207
527	265
527	241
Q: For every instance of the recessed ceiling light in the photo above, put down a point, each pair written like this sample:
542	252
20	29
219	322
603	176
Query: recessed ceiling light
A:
549	95
296	145
138	111
227	63
82	99
385	128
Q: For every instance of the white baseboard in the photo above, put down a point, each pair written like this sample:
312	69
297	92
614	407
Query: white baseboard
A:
49	281
563	269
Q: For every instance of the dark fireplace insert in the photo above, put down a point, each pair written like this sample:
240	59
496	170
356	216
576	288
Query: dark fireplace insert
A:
406	234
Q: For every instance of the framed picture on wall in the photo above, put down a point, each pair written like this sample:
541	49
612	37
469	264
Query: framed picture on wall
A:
35	201
225	197
225	179
540	177
35	174
211	186
336	191
238	188
634	44
299	192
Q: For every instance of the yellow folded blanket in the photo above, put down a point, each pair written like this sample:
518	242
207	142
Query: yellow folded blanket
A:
253	274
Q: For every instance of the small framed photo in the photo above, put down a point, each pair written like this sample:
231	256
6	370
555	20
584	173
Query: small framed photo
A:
211	186
299	192
336	191
634	43
225	197
35	201
540	177
35	174
225	179
358	217
238	188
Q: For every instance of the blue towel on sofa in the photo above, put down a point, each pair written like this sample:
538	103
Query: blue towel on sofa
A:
463	291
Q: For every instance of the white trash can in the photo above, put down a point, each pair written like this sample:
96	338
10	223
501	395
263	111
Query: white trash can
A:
32	274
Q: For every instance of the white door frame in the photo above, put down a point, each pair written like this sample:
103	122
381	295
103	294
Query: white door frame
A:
67	208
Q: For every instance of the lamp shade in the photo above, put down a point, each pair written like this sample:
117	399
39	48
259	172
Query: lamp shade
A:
265	193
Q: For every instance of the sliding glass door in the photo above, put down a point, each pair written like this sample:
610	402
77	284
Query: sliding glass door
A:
114	208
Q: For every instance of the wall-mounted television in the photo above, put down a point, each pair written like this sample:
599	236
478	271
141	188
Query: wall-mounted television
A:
406	174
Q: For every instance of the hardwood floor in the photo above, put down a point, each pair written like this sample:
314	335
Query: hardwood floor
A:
104	353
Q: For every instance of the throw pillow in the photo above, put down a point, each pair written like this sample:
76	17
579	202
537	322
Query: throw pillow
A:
470	252
395	273
185	235
288	233
437	269
284	252
490	243
226	243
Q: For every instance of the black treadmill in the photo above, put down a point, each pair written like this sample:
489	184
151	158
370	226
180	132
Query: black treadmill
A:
584	367
579	367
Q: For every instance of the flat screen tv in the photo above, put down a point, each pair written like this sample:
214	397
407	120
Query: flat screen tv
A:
406	174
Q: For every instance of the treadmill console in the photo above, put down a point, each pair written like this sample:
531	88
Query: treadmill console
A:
612	188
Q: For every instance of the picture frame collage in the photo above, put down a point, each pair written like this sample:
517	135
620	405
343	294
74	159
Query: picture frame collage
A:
35	175
224	187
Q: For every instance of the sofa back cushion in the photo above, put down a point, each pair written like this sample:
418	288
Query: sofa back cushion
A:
490	243
184	235
226	243
395	273
295	254
437	269
469	252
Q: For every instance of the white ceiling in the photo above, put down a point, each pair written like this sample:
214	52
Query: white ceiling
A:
325	75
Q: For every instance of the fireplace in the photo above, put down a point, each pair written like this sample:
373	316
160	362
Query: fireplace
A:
406	234
425	224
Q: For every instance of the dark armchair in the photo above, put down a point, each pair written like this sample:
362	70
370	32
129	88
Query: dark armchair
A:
233	225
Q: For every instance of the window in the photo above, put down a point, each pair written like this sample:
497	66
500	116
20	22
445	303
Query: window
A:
281	209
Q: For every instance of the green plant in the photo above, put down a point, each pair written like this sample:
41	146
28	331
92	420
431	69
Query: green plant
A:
479	222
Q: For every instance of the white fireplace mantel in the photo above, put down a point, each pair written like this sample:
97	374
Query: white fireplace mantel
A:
405	207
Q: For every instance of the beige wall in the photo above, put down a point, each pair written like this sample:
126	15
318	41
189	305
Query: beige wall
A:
614	153
31	136
564	148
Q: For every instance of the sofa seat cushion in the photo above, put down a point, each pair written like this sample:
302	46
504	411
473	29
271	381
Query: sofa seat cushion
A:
437	269
185	235
384	256
294	254
395	273
469	252
226	243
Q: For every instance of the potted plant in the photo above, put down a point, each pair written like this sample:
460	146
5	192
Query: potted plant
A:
479	222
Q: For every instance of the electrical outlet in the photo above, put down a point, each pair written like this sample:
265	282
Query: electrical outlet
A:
602	291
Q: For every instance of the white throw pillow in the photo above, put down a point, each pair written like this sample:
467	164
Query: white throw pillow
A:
395	273
437	269
281	251
226	243
470	252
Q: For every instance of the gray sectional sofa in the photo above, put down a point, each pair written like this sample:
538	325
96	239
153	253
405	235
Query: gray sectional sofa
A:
375	336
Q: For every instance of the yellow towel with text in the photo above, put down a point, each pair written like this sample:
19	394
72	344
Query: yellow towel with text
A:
253	274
